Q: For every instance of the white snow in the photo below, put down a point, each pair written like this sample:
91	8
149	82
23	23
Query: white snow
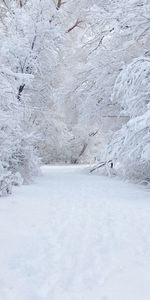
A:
73	236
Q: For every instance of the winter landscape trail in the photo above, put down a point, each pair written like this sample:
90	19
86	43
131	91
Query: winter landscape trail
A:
75	236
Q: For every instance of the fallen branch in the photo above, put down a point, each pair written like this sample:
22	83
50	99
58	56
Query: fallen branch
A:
102	164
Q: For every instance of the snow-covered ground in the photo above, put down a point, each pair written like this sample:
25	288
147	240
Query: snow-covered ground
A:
72	236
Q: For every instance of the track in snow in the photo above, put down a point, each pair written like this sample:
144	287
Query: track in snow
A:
72	236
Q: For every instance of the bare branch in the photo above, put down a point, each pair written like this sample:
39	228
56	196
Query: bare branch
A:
100	42
74	26
102	164
21	88
59	4
5	4
33	42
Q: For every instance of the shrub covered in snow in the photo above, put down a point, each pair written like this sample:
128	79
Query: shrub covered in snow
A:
130	146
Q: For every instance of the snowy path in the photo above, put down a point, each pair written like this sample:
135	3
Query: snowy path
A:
72	236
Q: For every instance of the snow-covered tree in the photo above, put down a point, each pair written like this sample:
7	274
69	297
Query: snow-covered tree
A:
130	147
109	35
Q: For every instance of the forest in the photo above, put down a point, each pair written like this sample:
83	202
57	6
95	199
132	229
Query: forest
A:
74	87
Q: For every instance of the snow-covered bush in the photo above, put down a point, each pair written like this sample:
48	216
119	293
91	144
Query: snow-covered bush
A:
17	158
5	180
130	146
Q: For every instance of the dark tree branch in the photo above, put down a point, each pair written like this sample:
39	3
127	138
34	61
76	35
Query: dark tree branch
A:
21	88
33	42
59	4
74	26
5	4
20	3
75	161
93	133
100	42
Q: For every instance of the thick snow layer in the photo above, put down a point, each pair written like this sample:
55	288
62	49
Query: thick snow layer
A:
72	236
